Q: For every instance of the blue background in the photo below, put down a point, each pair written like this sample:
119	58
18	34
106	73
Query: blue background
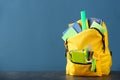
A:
31	30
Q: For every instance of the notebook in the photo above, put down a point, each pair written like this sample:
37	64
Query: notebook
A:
77	27
70	32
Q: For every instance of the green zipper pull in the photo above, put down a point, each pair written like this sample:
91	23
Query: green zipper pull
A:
93	67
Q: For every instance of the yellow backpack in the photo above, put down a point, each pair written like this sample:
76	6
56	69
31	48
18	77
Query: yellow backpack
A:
77	46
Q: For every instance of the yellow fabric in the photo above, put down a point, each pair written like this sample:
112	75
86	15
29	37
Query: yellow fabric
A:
103	58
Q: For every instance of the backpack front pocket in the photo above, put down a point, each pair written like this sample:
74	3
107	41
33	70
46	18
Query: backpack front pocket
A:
82	69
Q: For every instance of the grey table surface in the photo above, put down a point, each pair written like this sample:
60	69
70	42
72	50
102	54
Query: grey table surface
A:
52	75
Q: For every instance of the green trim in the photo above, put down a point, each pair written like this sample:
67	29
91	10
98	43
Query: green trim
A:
93	67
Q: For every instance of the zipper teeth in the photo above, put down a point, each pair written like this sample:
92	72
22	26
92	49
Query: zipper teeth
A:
103	41
98	31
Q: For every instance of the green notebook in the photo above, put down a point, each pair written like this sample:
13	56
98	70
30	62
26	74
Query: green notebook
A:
70	32
78	56
98	26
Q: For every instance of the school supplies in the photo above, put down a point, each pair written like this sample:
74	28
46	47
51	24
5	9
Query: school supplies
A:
83	18
69	33
77	27
98	26
91	20
87	51
77	56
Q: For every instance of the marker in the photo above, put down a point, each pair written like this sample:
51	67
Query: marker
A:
83	18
